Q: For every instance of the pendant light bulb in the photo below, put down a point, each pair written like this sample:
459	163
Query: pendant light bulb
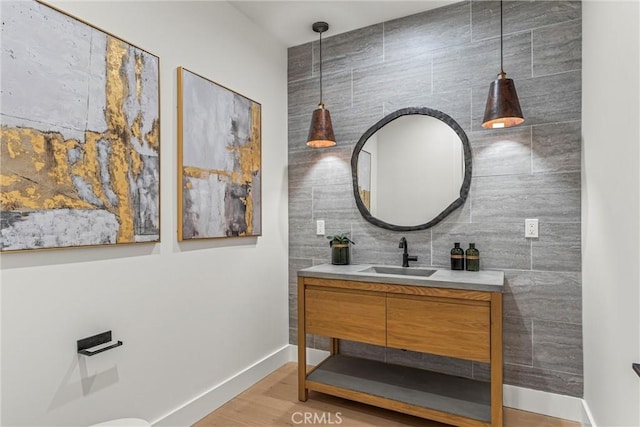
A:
321	129
503	107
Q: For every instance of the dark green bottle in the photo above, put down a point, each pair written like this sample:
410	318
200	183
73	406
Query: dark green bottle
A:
457	257
473	258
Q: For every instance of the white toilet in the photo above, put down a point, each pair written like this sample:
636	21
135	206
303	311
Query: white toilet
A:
124	422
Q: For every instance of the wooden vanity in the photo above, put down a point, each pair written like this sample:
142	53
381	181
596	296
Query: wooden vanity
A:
455	314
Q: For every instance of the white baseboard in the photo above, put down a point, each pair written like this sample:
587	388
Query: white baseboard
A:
314	356
587	416
221	393
542	402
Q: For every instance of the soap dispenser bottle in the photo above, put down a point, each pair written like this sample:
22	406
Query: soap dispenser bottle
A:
457	257
472	258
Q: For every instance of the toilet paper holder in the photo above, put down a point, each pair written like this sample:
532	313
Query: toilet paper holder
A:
85	345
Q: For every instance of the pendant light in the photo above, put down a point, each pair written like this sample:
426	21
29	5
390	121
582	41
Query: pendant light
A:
503	108
321	129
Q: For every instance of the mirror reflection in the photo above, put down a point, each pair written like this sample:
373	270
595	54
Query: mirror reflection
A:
410	170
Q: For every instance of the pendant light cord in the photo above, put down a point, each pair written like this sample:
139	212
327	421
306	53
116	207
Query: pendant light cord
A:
501	55
320	67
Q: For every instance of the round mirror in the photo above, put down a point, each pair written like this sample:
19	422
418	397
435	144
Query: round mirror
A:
411	169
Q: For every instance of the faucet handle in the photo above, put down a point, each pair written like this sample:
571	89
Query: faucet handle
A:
403	242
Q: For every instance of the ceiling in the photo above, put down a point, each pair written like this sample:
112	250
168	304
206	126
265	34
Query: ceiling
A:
290	21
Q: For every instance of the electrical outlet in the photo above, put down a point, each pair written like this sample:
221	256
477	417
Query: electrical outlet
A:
531	228
320	227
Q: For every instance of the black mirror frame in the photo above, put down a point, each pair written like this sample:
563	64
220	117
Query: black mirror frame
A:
466	182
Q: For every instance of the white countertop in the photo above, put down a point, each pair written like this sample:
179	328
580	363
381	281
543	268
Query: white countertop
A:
484	280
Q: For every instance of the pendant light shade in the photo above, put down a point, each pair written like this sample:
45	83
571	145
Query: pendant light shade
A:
503	107
321	129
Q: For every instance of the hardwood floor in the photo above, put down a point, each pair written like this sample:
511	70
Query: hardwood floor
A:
273	402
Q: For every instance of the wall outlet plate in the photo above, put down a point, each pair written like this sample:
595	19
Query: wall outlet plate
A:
320	227
531	228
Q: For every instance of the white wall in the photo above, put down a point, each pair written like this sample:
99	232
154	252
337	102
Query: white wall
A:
191	315
611	210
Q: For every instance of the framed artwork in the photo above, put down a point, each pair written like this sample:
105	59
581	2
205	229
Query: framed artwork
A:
219	161
80	134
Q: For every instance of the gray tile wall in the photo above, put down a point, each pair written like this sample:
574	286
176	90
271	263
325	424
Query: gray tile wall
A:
445	59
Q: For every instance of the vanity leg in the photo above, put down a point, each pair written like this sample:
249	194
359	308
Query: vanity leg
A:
334	346
496	359
303	393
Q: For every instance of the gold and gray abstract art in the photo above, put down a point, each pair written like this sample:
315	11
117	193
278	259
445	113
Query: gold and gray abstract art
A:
79	116
220	151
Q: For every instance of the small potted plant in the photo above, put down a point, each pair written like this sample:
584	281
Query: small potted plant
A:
340	249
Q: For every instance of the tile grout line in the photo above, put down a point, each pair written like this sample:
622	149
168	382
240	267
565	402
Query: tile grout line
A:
531	147
531	253
532	352
531	54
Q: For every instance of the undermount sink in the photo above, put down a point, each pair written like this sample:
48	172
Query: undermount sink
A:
400	271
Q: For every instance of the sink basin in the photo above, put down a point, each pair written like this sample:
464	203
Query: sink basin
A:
400	271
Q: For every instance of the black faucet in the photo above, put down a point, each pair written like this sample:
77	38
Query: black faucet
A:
405	255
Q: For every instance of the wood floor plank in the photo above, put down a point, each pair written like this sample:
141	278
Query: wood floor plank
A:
273	402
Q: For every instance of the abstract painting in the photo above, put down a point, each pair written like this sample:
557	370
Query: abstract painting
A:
80	134
219	161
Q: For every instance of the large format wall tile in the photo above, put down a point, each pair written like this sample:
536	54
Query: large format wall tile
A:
557	49
557	248
482	62
517	336
334	202
501	152
304	95
391	81
298	131
512	198
520	15
543	295
556	147
350	50
557	346
445	59
427	31
299	62
320	167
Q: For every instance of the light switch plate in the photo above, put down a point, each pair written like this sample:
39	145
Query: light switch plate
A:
531	228
320	227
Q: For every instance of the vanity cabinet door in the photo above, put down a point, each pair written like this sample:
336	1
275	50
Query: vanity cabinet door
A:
347	315
443	326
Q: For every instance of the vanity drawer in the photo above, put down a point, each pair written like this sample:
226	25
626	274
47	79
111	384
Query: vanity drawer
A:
350	315
440	326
